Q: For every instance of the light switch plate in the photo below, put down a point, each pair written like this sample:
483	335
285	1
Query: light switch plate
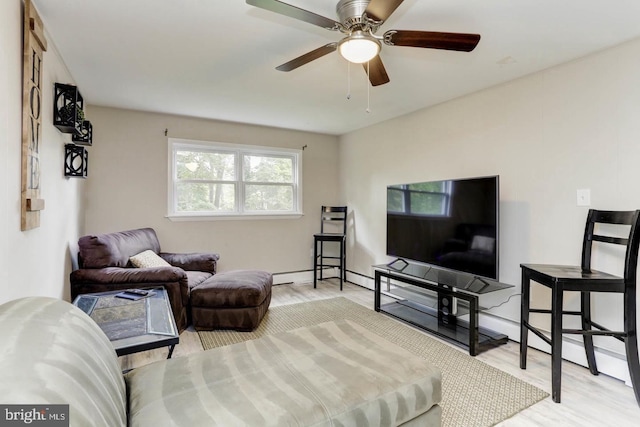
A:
584	197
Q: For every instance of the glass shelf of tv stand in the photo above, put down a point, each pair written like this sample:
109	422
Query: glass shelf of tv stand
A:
455	279
442	302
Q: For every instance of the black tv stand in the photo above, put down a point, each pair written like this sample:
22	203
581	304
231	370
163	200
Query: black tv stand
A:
440	309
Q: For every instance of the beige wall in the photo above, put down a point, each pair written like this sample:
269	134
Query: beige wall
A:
34	262
127	188
546	135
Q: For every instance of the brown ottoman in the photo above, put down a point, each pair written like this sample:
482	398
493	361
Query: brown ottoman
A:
231	300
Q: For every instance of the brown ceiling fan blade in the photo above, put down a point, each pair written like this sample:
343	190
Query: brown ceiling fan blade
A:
295	12
377	73
434	40
380	10
308	57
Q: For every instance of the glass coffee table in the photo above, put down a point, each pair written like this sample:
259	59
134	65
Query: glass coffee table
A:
133	326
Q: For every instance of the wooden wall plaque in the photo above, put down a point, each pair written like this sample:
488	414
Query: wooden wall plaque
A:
35	45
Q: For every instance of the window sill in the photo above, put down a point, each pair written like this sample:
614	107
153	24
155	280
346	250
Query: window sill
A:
232	217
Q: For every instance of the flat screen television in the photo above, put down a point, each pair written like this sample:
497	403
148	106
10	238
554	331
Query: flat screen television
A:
452	224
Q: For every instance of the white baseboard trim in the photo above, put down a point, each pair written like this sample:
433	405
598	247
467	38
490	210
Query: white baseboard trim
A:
304	276
293	277
360	280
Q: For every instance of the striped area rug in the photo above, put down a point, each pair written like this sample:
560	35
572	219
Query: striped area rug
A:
474	393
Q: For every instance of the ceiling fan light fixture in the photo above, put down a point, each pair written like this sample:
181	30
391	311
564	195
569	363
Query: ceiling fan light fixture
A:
359	47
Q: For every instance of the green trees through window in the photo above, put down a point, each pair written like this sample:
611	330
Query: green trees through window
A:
268	183
205	181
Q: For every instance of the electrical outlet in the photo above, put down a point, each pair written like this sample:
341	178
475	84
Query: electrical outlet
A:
584	197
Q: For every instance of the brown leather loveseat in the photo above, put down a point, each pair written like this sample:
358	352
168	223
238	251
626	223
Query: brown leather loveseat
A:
104	265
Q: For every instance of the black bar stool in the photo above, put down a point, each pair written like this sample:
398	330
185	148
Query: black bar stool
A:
583	279
333	228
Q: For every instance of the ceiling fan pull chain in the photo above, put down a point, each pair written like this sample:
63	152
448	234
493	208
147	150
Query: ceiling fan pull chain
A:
348	80
368	110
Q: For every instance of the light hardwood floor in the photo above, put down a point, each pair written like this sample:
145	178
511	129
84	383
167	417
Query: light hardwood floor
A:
587	400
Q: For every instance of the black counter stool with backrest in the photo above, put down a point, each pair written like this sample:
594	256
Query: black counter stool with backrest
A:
333	228
583	279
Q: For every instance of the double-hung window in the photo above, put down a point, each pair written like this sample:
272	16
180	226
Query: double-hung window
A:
231	180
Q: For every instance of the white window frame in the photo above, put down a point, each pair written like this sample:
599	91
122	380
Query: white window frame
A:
177	144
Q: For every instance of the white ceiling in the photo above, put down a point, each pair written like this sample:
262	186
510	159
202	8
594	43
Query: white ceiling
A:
216	58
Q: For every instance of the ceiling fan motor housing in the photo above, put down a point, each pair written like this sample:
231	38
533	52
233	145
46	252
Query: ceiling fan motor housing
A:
350	13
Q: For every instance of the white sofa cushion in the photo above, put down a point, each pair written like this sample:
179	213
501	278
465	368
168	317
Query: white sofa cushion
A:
148	259
335	373
53	353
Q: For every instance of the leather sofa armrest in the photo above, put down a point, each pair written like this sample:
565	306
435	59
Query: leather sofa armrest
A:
199	261
127	275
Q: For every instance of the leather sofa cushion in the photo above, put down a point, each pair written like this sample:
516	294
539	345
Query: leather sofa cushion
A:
197	277
115	249
236	288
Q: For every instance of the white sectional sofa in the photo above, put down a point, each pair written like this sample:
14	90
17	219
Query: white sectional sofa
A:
333	374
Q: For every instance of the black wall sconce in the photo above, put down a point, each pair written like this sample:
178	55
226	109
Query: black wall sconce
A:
76	160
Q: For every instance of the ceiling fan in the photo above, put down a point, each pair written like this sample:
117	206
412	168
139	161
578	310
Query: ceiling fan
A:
359	20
